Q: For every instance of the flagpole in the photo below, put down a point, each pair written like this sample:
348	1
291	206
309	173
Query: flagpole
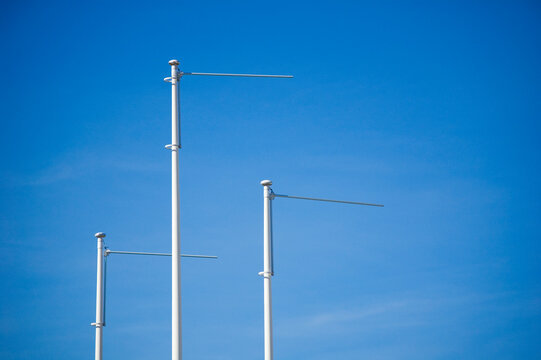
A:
176	75
99	299
267	267
268	259
176	314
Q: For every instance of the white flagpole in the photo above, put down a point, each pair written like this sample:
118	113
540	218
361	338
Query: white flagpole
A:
99	299
267	267
268	260
175	147
176	315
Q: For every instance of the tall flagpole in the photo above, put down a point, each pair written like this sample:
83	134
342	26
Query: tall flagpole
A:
99	299
268	260
175	147
176	314
267	267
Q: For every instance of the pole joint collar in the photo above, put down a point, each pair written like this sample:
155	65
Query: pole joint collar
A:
98	325
266	274
170	79
173	147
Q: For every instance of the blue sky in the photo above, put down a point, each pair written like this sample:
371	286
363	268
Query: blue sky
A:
431	108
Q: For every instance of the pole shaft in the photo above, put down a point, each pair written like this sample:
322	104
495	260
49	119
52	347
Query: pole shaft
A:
267	272
99	303
176	314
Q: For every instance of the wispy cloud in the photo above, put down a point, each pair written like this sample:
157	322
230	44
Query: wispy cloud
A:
76	165
414	311
343	316
340	320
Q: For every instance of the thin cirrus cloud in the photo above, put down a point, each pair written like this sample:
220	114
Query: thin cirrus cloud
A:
419	311
77	165
339	320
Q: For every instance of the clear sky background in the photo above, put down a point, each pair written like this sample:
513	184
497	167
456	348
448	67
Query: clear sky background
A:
431	108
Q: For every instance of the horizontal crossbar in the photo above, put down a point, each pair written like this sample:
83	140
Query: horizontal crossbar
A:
241	75
107	252
326	200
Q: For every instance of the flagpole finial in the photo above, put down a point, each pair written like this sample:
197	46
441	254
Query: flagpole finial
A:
266	183
100	235
173	62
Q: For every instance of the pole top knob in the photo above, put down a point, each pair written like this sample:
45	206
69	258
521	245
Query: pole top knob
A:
266	183
173	62
100	235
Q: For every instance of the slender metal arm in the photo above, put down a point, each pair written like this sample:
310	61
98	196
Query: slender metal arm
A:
107	252
326	200
241	75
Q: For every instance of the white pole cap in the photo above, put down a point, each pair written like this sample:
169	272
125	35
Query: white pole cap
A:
100	235
266	183
173	62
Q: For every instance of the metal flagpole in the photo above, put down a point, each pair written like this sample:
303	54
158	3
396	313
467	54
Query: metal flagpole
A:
101	284
267	267
175	147
268	256
99	299
176	315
